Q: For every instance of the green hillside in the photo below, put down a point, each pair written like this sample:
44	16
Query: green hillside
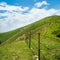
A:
7	35
14	44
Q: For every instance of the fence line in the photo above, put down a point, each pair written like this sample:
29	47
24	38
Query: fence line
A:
28	39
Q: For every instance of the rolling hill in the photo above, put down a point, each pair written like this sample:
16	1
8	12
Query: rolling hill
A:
14	45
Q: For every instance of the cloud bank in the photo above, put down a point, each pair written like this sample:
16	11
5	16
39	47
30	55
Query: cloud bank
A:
12	17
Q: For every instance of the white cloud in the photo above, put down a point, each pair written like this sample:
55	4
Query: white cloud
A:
5	6
39	4
58	12
16	18
2	4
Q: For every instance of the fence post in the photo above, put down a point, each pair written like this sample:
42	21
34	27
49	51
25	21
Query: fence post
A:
38	46
30	40
0	42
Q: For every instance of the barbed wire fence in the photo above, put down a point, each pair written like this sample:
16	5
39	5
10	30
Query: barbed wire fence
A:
33	42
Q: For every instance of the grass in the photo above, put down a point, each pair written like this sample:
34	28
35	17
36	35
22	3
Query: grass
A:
8	35
15	51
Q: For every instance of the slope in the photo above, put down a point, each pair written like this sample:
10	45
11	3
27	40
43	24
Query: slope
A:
6	35
49	28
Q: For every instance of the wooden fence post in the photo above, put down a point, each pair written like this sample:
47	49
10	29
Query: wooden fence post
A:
30	40
0	42
38	46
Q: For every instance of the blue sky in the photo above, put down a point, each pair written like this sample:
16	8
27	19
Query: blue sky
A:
18	13
30	3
